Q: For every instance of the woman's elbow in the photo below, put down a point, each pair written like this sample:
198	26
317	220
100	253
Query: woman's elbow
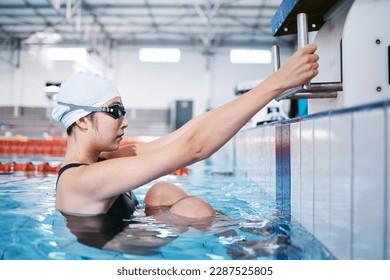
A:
195	147
198	151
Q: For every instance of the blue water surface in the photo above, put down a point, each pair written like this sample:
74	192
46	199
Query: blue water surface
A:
248	226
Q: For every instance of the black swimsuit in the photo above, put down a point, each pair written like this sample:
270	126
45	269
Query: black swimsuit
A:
99	229
124	205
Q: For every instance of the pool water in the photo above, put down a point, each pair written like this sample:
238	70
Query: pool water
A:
248	225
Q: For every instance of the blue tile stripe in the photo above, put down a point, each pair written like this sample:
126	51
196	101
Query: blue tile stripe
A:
283	170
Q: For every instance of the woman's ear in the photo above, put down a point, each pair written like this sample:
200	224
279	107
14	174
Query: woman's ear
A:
82	123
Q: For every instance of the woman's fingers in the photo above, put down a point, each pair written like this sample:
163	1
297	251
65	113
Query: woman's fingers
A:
301	67
309	48
313	57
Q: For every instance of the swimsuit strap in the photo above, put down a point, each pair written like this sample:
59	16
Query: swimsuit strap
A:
66	167
71	165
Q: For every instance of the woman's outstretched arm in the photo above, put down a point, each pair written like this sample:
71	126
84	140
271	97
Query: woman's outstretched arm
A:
197	139
214	128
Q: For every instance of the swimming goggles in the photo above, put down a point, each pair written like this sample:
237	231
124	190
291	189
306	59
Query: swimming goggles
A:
116	110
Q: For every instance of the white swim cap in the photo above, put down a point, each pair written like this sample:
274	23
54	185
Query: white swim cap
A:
82	89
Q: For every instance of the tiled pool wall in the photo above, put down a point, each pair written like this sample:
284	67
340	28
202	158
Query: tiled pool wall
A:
331	173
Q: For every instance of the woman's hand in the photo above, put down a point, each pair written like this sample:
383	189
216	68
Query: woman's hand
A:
300	68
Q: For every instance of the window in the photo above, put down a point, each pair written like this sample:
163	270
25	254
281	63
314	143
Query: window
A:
159	55
250	56
67	53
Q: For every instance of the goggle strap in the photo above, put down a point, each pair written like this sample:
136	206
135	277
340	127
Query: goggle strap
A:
76	107
92	109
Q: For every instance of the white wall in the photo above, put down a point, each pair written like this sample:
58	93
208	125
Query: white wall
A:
6	84
157	85
339	176
226	75
24	86
142	85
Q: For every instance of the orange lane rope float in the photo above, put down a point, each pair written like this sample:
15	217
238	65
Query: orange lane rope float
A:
13	166
47	147
26	146
51	146
45	167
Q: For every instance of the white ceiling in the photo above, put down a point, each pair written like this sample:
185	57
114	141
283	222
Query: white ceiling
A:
101	24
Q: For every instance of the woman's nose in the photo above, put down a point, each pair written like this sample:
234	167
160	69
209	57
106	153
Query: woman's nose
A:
124	122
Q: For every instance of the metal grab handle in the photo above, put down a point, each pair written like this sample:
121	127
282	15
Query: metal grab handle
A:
316	90
308	90
289	93
303	36
303	39
276	57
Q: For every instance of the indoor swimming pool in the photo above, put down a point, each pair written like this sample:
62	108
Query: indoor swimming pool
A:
248	224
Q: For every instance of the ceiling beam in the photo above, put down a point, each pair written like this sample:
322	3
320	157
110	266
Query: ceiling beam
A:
131	6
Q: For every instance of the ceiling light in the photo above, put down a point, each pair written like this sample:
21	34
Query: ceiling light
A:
250	56
67	54
159	55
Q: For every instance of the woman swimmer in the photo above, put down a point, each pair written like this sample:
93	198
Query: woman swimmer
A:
98	175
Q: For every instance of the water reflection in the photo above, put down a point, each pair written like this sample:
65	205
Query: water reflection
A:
146	235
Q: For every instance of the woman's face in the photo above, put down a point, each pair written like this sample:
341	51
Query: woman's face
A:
108	131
